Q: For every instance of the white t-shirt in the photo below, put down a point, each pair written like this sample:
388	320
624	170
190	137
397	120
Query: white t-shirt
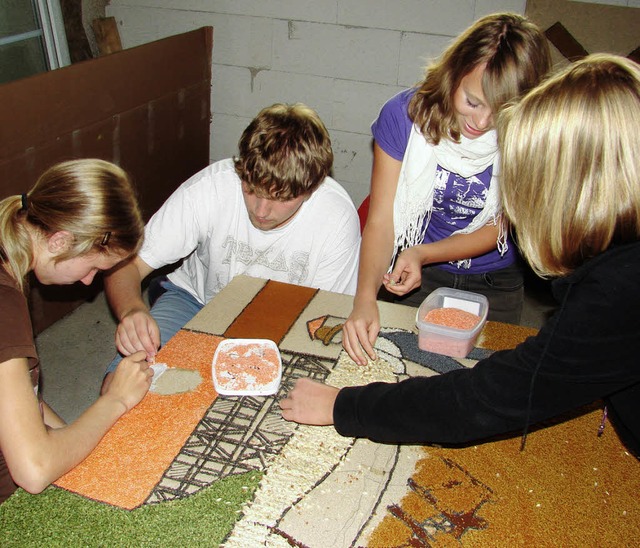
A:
205	221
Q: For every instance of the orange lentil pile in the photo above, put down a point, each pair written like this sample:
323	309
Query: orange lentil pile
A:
246	367
452	317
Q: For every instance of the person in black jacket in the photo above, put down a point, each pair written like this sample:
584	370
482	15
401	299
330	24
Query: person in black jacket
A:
570	183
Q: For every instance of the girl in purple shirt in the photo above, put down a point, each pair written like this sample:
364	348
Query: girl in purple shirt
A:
434	211
456	201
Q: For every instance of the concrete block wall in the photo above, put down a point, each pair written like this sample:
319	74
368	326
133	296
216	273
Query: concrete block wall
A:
622	3
343	58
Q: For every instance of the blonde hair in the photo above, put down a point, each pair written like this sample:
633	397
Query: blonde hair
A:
285	152
517	57
570	177
91	199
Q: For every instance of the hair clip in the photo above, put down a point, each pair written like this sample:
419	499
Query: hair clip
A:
105	238
25	202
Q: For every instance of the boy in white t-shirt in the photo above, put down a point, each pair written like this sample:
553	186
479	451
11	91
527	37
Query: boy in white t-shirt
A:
273	212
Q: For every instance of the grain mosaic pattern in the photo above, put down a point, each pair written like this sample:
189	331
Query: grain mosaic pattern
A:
131	458
318	489
568	488
237	435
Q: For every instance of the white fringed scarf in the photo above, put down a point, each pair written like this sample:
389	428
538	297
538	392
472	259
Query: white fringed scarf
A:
414	196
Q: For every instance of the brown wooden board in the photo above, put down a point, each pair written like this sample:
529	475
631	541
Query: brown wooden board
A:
107	35
576	29
147	109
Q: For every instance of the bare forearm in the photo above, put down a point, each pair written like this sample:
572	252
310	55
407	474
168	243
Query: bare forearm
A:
460	246
375	257
76	440
378	235
55	451
123	291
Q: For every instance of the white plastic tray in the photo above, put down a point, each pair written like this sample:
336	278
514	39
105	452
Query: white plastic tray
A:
242	383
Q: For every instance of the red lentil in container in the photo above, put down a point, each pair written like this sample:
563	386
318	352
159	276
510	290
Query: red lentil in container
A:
450	320
245	366
452	317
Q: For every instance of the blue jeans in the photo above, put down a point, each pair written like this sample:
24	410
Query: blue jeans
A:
171	308
503	288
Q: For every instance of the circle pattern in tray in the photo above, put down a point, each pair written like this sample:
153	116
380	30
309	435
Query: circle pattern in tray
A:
246	367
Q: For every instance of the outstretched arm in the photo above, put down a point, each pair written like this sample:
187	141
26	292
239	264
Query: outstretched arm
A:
407	270
362	327
585	352
136	330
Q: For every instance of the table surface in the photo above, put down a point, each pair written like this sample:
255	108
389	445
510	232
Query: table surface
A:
193	439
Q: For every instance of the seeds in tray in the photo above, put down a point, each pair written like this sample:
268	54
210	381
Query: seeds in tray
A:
246	367
452	317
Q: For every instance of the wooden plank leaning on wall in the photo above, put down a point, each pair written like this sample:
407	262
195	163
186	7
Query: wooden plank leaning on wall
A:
148	109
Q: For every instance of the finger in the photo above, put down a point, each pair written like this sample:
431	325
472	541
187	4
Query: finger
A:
353	349
395	289
154	333
396	273
154	336
346	340
146	342
139	357
122	343
388	279
367	345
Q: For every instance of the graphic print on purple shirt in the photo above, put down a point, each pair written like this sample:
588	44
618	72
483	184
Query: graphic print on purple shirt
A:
456	199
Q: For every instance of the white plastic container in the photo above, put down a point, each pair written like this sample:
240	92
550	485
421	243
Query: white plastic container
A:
450	341
246	367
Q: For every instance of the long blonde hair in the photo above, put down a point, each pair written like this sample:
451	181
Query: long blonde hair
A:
517	57
91	199
570	177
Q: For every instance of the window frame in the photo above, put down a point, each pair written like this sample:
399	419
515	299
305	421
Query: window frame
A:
51	32
54	37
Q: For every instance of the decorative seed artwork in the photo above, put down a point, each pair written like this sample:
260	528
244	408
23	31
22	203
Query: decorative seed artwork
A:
319	489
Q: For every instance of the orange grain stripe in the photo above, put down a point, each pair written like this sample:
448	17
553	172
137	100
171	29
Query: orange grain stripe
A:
130	460
272	312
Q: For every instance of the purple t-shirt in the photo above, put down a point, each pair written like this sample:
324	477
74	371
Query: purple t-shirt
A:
456	199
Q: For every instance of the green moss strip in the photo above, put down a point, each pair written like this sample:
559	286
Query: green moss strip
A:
59	518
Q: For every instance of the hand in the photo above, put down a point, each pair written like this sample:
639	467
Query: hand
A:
360	331
309	402
407	272
138	331
131	380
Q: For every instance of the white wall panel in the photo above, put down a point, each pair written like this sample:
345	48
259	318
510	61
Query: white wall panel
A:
344	58
427	16
305	10
336	50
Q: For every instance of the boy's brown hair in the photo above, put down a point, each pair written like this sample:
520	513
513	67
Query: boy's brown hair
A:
285	152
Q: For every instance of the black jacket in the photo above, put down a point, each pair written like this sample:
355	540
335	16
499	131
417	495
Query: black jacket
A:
586	352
